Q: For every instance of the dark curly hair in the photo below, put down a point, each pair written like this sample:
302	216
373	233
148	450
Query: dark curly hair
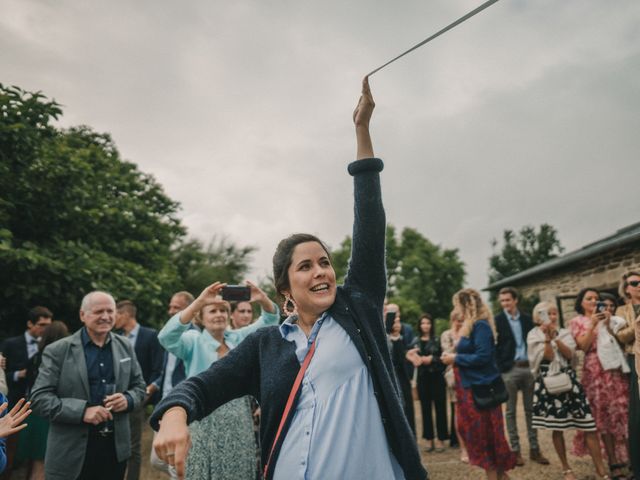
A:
578	305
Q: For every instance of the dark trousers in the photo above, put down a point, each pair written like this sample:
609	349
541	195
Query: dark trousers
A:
136	420
100	461
432	390
634	418
453	437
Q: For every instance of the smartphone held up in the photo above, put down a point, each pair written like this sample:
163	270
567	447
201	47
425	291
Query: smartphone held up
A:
236	293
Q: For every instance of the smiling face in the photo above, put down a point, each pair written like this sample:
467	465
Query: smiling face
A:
508	303
242	315
99	315
215	318
312	280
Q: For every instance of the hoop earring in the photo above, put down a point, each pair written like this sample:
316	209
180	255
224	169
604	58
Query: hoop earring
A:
289	307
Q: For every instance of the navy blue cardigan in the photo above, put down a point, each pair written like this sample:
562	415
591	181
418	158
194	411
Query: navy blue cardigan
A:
265	365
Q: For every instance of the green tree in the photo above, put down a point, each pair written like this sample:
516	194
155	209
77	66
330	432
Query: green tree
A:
422	276
199	266
522	250
75	217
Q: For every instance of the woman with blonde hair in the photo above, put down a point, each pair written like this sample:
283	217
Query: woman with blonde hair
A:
480	424
559	400
449	340
223	442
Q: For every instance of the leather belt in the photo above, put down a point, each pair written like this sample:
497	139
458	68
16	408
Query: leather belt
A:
521	363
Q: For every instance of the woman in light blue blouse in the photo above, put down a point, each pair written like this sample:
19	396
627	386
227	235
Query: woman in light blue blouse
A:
224	442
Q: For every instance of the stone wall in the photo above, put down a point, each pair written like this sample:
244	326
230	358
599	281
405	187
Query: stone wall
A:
602	272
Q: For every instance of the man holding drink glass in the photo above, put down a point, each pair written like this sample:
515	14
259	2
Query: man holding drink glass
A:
87	384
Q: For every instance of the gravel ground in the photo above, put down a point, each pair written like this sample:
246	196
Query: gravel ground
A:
441	466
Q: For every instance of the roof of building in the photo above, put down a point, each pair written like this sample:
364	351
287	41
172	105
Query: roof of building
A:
624	236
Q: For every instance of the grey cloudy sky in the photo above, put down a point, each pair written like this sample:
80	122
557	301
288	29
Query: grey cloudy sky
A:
527	113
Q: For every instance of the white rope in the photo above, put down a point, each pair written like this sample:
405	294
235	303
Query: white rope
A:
445	29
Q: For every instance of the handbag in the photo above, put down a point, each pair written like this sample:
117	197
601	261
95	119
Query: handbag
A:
556	381
486	397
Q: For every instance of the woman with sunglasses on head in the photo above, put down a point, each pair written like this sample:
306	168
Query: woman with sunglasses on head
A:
629	289
224	442
345	418
607	390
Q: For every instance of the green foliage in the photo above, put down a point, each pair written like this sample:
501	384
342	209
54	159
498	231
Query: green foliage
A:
522	250
221	260
75	217
422	277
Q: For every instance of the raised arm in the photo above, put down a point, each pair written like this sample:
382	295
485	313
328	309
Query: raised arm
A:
361	118
367	265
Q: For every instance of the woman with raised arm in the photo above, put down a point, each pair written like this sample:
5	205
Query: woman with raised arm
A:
345	418
224	441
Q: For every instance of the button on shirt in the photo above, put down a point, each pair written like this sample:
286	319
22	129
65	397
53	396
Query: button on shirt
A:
99	367
336	430
516	328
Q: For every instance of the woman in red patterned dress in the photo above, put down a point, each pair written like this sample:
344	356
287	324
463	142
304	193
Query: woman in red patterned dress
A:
606	390
482	430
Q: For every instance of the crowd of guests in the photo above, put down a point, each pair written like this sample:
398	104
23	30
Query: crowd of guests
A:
500	358
333	379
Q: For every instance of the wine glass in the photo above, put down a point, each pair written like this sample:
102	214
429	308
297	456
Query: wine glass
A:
107	427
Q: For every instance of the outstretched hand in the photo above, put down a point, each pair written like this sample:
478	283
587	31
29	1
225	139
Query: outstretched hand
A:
361	118
173	441
364	109
12	421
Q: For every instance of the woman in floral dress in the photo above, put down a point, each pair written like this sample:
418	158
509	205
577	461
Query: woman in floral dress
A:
607	390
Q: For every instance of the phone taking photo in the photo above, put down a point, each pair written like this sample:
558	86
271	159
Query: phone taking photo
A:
236	293
601	307
544	317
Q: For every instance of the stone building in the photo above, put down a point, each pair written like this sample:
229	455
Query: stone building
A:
599	265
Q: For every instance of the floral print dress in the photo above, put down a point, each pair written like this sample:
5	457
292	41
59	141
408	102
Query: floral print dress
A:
607	392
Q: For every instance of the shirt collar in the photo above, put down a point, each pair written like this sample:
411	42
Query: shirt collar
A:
513	318
30	338
86	339
134	333
291	325
228	339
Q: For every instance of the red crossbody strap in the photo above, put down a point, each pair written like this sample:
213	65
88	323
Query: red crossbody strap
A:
290	400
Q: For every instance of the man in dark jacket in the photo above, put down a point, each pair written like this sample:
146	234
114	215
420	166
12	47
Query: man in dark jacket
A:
513	327
17	352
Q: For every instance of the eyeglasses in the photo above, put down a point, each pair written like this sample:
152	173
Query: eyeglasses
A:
634	283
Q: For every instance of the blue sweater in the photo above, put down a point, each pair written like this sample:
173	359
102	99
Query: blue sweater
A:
476	356
265	364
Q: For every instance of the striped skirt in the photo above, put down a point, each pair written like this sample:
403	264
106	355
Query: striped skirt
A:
564	411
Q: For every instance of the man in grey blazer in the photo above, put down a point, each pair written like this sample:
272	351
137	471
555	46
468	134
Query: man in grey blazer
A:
89	435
